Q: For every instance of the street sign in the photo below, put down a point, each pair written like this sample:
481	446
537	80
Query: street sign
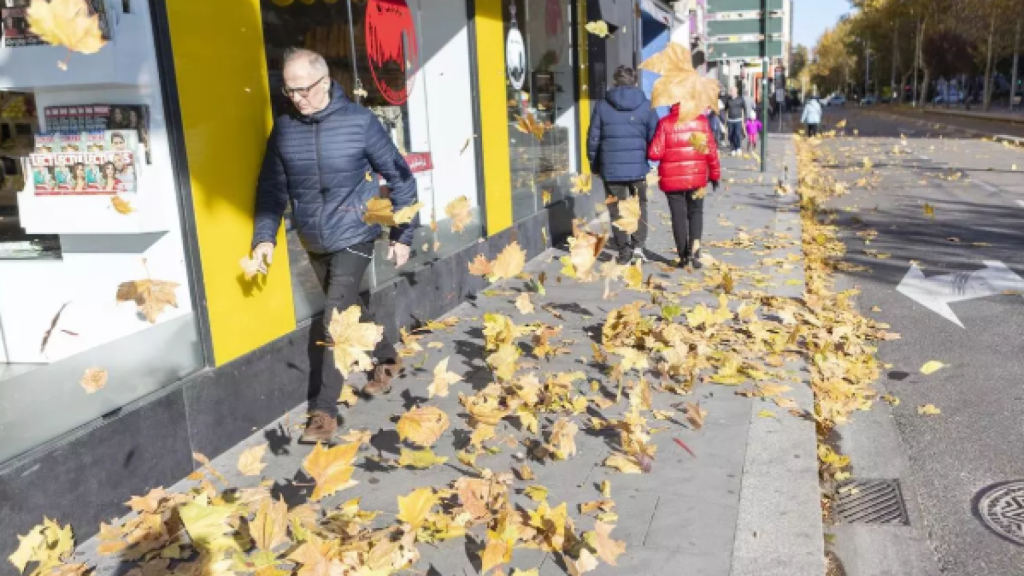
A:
938	292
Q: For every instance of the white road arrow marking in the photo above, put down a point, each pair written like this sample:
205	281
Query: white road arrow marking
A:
938	292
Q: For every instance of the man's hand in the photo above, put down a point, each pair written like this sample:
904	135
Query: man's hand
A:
398	253
264	254
714	185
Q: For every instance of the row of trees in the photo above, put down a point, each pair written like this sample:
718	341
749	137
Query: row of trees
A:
902	42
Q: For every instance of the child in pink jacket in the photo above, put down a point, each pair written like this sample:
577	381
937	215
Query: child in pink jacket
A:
753	132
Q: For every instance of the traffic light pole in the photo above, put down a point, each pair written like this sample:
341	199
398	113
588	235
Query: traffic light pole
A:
764	90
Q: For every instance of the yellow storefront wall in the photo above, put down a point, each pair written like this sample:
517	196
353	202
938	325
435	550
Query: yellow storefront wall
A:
490	62
225	111
583	103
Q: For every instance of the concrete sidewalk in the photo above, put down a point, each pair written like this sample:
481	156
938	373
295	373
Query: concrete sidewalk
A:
747	503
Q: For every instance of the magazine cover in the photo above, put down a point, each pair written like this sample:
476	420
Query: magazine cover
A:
121	140
100	116
96	141
47	143
83	173
71	143
134	118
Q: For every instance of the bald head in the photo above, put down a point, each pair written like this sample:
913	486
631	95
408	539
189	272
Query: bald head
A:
307	80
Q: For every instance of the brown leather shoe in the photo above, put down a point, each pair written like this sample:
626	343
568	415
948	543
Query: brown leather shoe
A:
321	428
381	381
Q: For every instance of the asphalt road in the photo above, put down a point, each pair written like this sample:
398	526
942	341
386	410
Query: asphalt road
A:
976	189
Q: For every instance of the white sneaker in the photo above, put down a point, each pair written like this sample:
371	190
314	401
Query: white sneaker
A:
638	254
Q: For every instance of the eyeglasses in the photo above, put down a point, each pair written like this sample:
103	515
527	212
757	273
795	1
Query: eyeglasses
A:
304	92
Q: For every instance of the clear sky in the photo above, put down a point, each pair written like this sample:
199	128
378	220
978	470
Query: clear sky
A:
812	17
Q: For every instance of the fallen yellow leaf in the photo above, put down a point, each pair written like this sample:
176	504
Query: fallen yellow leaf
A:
331	468
421	459
530	125
481	266
442	379
352	340
66	23
379	211
931	366
422	426
607	549
151	296
536	493
250	461
581	184
460	213
509	263
629	215
405	215
928	410
413	509
93	380
523	303
598	28
121	205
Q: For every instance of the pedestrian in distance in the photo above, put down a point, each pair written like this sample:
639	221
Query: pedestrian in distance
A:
715	120
621	127
318	159
689	162
735	114
754	128
812	116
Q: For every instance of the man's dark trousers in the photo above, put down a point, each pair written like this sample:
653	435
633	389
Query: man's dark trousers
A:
622	191
736	134
340	274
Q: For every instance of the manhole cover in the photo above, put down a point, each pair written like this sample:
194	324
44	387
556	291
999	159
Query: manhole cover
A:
1001	508
871	502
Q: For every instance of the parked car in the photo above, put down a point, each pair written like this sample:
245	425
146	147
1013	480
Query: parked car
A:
869	100
835	100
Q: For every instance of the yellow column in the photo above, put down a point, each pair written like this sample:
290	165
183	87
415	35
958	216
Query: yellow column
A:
490	62
225	111
584	72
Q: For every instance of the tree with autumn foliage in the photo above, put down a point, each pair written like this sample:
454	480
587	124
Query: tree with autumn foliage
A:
919	41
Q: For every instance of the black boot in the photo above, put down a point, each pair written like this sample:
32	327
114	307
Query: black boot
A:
695	259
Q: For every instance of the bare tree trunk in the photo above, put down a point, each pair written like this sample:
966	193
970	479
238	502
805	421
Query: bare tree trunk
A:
917	58
988	63
1016	63
895	60
922	96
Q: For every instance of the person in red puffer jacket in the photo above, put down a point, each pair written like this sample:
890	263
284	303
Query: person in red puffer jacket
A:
689	161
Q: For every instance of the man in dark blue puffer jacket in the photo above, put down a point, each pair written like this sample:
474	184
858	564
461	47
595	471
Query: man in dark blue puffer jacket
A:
321	159
622	126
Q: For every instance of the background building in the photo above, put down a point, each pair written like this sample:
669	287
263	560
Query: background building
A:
735	41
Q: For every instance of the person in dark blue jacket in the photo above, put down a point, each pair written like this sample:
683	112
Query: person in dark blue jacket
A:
622	126
321	159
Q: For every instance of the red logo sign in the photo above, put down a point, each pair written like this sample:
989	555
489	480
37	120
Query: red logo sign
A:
419	161
392	48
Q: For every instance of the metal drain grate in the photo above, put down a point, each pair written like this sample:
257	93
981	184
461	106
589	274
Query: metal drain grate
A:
1001	507
871	502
